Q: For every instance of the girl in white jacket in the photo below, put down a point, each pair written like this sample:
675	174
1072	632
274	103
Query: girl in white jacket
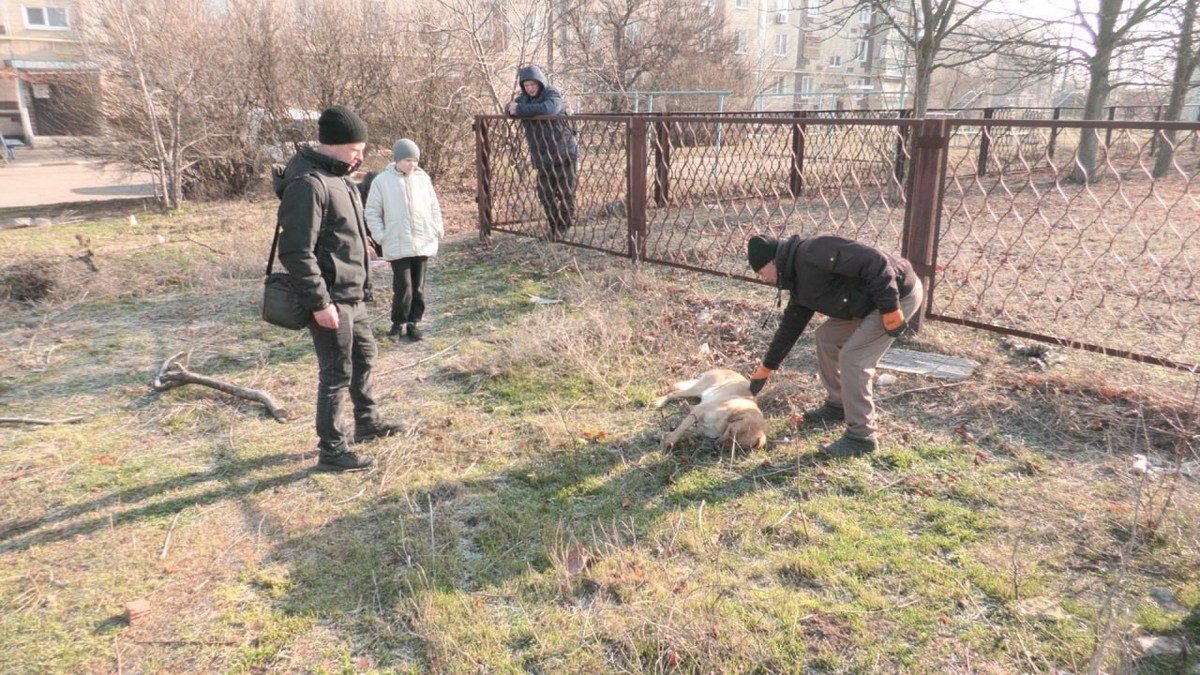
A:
405	218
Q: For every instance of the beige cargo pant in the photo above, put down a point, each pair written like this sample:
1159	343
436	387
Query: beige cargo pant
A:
847	353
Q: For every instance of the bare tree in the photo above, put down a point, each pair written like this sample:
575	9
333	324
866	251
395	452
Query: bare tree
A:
491	41
162	62
943	34
1111	26
619	45
1187	55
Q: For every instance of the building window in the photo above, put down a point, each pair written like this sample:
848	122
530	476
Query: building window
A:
741	42
860	50
531	27
741	4
779	85
835	60
814	8
806	84
781	45
48	18
864	15
633	32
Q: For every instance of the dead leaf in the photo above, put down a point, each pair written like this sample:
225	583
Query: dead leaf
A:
576	560
135	610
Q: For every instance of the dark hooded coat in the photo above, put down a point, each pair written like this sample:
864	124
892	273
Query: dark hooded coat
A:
551	142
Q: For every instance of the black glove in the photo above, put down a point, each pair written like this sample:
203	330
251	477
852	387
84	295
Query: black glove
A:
759	379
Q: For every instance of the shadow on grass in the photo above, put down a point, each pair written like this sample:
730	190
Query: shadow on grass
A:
89	516
507	533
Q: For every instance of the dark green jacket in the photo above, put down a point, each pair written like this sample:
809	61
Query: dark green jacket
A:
323	244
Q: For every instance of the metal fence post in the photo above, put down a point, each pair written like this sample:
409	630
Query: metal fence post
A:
662	163
1053	132
636	132
985	143
1158	132
796	172
922	215
483	179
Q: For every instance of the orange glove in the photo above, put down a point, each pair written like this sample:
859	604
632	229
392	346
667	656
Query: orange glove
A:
759	379
893	323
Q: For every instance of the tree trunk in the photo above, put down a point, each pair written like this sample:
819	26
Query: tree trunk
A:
1185	66
923	76
1099	87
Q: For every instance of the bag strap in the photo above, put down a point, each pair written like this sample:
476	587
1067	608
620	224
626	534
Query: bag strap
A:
279	224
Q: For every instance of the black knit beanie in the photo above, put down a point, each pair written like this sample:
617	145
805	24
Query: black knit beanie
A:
339	126
761	250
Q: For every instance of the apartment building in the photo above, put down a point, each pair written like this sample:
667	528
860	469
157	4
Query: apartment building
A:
42	70
817	54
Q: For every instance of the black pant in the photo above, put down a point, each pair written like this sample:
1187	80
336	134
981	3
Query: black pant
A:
344	357
408	289
556	191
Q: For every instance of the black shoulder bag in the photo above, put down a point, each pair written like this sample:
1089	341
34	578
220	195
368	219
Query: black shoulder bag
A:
281	305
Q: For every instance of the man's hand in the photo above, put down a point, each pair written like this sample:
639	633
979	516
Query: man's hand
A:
328	317
893	323
759	379
511	108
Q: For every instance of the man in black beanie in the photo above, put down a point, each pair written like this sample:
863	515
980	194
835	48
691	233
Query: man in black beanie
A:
323	245
866	295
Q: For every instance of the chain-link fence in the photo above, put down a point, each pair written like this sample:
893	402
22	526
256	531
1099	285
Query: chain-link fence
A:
1071	232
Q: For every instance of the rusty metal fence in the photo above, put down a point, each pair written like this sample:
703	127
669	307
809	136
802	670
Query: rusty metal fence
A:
992	212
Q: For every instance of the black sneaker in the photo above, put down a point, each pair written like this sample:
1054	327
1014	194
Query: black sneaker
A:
414	333
396	332
381	430
826	413
344	461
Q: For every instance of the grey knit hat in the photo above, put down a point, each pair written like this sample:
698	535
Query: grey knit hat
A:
339	126
405	149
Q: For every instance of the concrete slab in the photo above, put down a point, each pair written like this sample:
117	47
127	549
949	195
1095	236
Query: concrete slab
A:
940	366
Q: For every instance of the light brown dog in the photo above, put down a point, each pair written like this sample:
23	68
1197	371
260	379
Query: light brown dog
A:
726	411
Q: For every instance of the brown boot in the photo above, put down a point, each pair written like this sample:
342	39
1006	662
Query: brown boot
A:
825	414
851	446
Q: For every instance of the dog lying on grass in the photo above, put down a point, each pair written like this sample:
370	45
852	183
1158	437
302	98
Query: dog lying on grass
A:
726	411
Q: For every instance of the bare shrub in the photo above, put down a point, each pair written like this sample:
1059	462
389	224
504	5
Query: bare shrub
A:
28	281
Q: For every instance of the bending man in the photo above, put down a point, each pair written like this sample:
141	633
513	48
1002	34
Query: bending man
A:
866	294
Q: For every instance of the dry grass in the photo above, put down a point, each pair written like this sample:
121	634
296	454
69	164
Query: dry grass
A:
530	522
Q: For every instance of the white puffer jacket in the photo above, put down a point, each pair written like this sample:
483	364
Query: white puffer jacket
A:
404	215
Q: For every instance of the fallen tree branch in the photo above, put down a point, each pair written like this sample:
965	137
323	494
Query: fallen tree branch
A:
172	374
32	420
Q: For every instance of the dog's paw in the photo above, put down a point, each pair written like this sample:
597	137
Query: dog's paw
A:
661	401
